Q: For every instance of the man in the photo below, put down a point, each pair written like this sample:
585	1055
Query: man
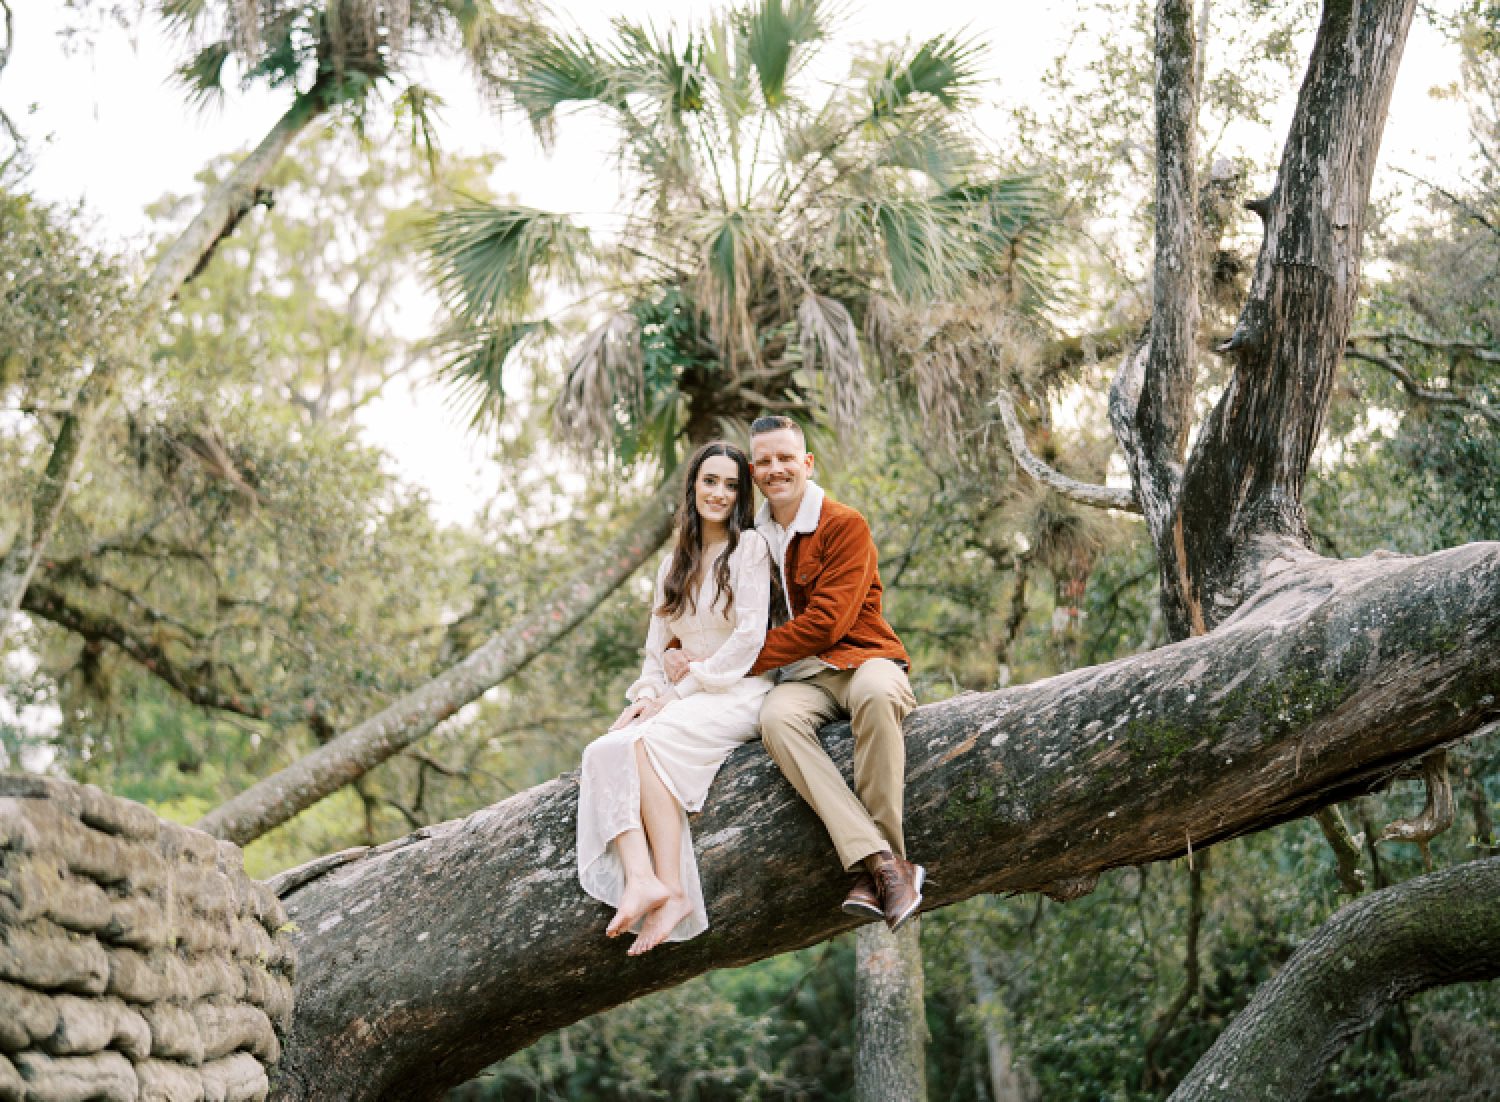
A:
838	659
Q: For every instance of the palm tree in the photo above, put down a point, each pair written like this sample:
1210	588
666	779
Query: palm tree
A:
343	56
770	247
772	239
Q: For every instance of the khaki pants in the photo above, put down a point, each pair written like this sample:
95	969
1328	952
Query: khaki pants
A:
876	697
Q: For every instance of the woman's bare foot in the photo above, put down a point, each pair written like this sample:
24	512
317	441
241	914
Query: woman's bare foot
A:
661	922
643	894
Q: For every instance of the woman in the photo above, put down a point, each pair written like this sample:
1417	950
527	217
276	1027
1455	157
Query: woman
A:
655	765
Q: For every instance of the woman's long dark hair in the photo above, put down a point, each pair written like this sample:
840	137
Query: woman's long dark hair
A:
678	590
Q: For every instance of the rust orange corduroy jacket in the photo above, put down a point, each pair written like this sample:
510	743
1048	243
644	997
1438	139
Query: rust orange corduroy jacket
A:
833	588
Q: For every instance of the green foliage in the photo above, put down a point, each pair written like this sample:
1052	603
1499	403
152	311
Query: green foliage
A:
333	54
762	198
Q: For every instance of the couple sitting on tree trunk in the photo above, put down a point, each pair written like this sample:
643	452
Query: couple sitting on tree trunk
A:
807	564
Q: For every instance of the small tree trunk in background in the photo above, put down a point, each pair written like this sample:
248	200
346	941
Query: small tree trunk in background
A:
1007	1084
890	1031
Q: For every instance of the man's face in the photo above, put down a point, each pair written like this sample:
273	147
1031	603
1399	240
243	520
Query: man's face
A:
780	467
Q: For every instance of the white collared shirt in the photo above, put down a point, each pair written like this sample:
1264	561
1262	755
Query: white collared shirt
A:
777	538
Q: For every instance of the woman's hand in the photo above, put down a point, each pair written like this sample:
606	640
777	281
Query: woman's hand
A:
641	709
675	663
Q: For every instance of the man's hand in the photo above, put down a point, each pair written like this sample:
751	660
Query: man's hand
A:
644	708
675	663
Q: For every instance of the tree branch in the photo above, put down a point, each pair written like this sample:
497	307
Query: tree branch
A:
1443	344
1438	929
274	800
1151	1075
1444	396
1346	848
1242	491
194	682
1101	497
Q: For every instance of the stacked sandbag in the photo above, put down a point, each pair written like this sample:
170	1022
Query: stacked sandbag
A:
137	960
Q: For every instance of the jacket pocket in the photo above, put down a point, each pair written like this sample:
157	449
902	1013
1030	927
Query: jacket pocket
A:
808	569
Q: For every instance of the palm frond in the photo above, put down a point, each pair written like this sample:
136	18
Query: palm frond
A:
934	249
731	244
673	80
487	260
202	76
943	69
557	70
1010	222
417	108
728	67
773	30
830	349
473	365
917	242
934	150
603	386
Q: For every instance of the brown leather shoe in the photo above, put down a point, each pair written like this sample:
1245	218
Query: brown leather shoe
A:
900	885
863	900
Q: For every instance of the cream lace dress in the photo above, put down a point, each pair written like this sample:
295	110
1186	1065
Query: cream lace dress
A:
716	708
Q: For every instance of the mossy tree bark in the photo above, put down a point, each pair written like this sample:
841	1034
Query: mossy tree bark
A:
890	1028
424	960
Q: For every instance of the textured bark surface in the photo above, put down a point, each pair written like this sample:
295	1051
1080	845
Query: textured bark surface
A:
137	960
1437	929
890	1027
1242	492
272	801
1163	414
426	959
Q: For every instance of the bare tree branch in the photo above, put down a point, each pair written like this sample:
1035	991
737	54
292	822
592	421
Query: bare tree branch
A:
1346	848
1475	349
275	799
1102	497
1443	396
196	683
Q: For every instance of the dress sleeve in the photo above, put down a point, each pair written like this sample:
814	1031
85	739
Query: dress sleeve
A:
750	573
653	680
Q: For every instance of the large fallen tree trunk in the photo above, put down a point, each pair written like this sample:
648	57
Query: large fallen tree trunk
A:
1437	929
423	960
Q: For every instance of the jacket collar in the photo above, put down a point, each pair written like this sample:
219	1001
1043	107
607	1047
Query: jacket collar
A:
808	512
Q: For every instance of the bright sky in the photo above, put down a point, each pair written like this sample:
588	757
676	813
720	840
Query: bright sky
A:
118	134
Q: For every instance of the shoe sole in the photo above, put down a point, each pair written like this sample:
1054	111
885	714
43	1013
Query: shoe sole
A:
904	916
862	910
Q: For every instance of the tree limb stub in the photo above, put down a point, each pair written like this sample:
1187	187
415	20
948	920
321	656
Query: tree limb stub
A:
1436	815
272	801
1436	929
425	960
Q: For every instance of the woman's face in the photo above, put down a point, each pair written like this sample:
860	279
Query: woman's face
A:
717	489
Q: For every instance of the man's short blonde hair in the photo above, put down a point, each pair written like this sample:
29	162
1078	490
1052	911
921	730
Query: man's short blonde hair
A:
775	422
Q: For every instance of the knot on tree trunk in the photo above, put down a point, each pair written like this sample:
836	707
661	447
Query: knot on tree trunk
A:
137	960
